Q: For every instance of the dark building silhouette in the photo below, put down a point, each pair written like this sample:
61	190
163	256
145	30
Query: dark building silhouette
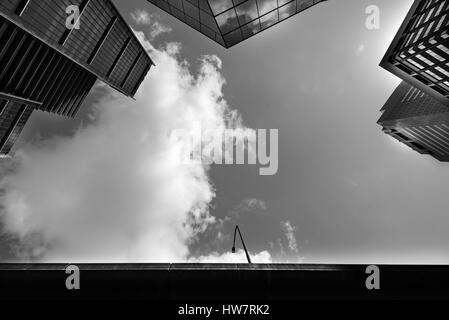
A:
419	53
46	64
418	120
222	282
229	22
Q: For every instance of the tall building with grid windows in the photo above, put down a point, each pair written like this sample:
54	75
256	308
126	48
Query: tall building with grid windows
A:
229	22
418	120
53	51
419	53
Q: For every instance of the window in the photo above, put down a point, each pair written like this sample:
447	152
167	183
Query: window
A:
191	10
227	21
218	6
251	28
287	10
269	19
233	37
266	6
247	11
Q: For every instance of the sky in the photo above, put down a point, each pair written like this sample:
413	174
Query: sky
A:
105	187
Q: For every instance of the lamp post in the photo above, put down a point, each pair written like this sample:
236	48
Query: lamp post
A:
243	242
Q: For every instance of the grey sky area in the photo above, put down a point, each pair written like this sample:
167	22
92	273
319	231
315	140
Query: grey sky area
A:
345	192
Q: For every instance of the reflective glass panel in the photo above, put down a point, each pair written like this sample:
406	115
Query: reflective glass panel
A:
233	37
191	10
208	20
266	6
247	11
227	21
287	10
269	19
251	28
218	6
282	2
303	4
204	5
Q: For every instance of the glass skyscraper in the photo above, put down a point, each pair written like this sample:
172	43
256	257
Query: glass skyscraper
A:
417	113
418	120
229	22
419	53
48	65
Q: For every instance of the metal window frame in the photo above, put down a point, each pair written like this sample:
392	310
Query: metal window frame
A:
388	65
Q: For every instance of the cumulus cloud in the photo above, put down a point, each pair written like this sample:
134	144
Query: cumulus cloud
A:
289	232
158	29
249	205
142	17
116	191
254	204
238	257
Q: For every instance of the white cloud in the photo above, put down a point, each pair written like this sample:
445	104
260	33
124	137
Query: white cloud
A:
255	204
360	49
157	29
289	232
116	191
142	17
281	256
249	205
238	257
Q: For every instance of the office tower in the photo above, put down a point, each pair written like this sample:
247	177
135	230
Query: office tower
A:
53	51
229	22
419	53
418	120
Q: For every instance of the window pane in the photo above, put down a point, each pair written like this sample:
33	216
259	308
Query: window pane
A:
282	2
220	40
163	4
193	23
218	6
227	21
176	3
303	4
266	6
269	19
251	29
287	10
204	6
191	10
237	2
208	20
233	37
208	32
247	11
177	13
194	2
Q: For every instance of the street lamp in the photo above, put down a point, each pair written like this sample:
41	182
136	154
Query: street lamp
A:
243	242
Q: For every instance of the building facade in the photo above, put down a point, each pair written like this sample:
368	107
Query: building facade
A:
52	53
418	120
229	22
419	53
